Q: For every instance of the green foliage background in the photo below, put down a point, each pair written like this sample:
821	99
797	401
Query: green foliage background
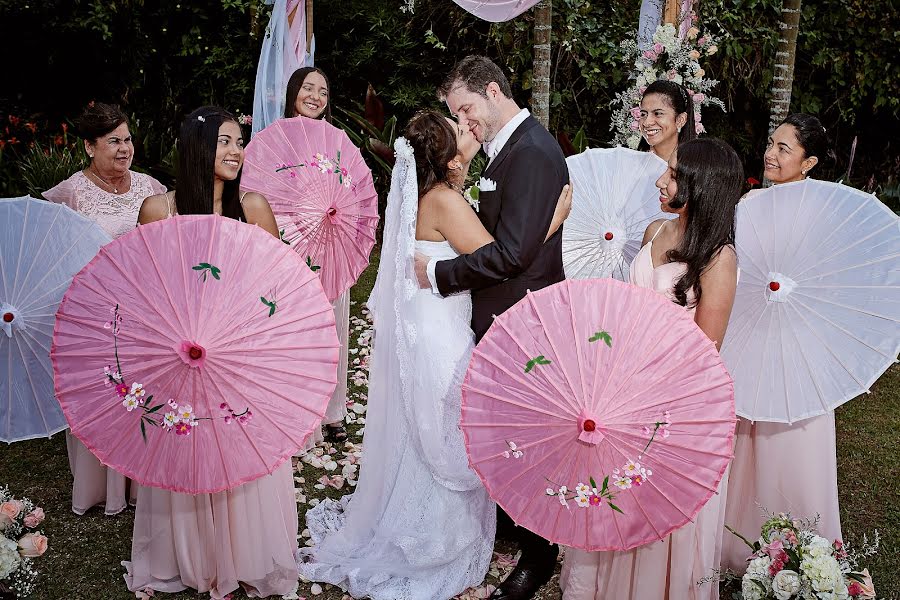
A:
162	59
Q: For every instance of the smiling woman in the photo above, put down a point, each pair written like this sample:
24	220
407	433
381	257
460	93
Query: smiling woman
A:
307	95
210	157
666	112
109	193
246	536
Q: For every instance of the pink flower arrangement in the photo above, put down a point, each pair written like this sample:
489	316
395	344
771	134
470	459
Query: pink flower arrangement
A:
20	542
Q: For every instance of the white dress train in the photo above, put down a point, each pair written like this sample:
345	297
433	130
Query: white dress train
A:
420	525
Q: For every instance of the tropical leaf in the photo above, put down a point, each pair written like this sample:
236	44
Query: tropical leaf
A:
602	335
537	360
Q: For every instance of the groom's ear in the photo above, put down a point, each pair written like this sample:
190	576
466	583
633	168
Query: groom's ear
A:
493	91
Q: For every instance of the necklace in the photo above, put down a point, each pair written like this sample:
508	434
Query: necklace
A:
456	188
103	181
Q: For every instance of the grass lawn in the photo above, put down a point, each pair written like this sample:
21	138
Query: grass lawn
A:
83	562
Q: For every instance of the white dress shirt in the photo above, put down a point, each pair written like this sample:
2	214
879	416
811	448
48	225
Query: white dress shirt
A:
492	149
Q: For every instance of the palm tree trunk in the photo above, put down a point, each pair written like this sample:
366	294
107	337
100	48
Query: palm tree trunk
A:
540	85
783	82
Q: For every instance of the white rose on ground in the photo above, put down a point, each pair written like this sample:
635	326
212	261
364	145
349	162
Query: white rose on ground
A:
786	584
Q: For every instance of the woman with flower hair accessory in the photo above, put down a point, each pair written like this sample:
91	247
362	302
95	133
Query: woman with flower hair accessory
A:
108	192
784	467
691	260
244	537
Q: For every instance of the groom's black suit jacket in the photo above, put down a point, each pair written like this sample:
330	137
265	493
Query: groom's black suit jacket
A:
530	172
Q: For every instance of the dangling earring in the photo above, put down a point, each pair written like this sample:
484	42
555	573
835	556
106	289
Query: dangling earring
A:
804	171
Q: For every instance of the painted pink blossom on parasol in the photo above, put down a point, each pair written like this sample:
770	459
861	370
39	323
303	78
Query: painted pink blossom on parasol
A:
322	194
195	354
598	414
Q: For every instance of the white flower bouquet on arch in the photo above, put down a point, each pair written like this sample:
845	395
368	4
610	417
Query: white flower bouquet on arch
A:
672	57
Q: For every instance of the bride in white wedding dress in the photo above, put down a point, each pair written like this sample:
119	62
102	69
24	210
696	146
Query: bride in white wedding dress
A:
420	525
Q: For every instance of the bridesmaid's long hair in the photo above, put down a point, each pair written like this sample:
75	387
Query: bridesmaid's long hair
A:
293	88
434	143
709	176
197	143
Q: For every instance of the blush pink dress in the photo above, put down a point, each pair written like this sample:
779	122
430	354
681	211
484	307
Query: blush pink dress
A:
762	476
664	570
93	484
215	543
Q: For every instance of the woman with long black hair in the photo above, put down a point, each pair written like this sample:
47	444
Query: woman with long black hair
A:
246	536
692	261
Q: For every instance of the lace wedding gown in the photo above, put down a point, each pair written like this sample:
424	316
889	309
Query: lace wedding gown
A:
420	525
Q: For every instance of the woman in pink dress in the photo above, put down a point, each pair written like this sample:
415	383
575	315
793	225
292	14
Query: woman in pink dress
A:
109	193
307	96
805	484
691	260
243	537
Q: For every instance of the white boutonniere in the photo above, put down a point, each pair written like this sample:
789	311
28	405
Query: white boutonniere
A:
471	195
487	185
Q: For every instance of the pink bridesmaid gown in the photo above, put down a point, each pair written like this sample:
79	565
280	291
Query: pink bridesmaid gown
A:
782	468
93	484
761	477
668	569
243	537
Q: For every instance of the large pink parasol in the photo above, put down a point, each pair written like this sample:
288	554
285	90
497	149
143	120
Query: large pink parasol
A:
598	414
322	194
194	354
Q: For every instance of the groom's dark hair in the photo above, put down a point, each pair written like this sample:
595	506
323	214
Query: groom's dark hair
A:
475	73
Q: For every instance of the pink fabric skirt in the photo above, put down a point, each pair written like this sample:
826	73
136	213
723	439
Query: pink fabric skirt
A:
337	406
213	543
665	570
782	468
94	483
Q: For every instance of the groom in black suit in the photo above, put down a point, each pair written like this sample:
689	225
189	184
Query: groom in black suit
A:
518	195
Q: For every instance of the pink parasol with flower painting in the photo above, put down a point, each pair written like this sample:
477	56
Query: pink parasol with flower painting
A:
194	354
322	194
598	414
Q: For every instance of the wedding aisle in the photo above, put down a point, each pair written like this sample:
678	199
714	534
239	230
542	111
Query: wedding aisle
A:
83	560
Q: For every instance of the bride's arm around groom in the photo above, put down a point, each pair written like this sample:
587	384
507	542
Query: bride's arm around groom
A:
518	194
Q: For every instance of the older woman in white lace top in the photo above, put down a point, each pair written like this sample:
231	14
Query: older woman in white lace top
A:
110	193
107	191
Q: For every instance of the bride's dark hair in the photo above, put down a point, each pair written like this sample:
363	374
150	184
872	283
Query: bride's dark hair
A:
434	143
709	176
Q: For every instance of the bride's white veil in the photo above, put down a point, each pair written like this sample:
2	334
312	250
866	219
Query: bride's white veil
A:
420	378
413	415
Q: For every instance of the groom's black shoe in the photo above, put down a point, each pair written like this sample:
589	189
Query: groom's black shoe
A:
522	584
